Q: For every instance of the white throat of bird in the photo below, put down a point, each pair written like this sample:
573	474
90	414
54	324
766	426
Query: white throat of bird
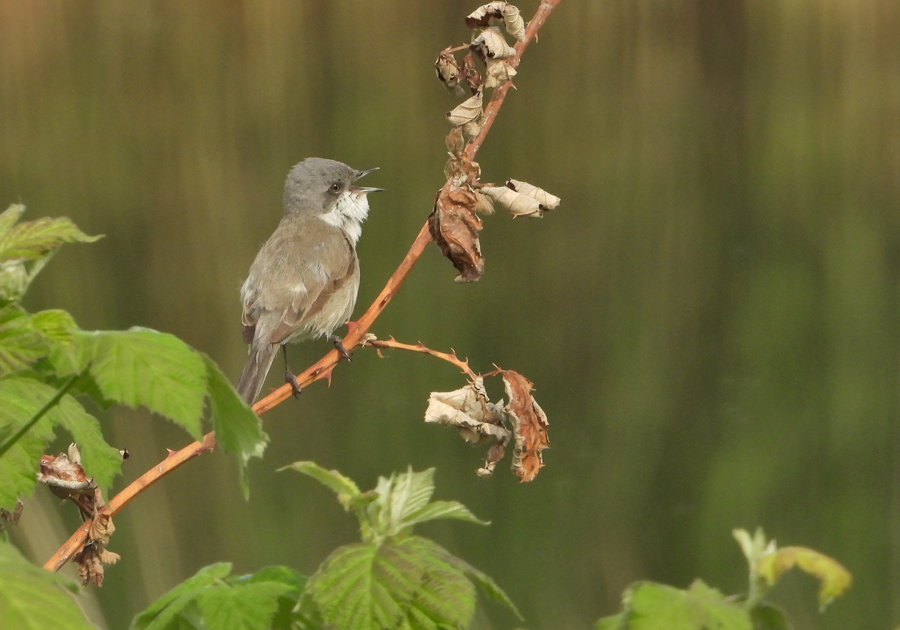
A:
348	214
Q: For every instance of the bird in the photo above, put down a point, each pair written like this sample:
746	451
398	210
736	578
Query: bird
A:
304	280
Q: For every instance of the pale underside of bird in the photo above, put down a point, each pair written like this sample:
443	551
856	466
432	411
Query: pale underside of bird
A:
304	280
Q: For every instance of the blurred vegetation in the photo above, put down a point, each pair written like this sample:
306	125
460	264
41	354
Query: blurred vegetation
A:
710	319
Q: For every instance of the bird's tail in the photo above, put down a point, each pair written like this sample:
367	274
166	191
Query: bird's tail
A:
258	364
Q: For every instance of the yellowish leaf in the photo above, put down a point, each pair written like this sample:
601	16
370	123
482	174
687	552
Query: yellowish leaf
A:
834	577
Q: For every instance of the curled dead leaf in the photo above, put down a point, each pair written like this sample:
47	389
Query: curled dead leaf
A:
467	111
454	226
101	528
474	417
90	562
486	15
494	455
455	142
64	475
497	72
471	74
494	13
515	25
529	423
522	198
11	517
490	44
449	72
483	203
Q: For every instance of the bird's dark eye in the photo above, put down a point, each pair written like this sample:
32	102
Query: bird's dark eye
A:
335	188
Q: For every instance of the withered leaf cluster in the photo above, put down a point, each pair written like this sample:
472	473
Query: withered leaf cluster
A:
521	198
454	227
65	477
478	420
454	223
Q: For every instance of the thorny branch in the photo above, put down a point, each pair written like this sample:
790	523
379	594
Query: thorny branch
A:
356	335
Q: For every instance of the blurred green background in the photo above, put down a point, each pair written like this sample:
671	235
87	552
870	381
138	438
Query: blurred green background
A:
710	319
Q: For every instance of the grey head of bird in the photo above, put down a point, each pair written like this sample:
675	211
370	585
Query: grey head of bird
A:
324	189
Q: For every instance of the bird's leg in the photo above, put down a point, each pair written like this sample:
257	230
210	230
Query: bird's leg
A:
289	376
339	346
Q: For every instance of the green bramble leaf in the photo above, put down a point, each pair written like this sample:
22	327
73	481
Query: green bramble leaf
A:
343	486
20	343
400	583
651	606
143	367
33	239
25	248
20	399
32	598
238	429
99	460
211	599
404	500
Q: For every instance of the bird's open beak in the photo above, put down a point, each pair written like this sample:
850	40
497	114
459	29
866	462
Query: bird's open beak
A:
364	190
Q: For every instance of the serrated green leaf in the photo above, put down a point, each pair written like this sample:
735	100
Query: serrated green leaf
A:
20	399
32	239
151	369
9	217
100	460
398	584
438	510
212	599
341	485
399	495
32	598
651	606
166	610
246	607
485	582
20	343
834	577
238	429
286	617
55	325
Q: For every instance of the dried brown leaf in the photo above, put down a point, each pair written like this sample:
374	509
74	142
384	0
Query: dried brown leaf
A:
467	111
547	201
483	203
471	74
454	226
90	562
101	528
522	199
515	25
63	474
490	44
486	15
474	416
497	72
517	204
529	423
455	142
449	72
494	455
8	517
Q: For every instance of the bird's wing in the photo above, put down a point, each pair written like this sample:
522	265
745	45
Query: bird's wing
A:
290	275
322	280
